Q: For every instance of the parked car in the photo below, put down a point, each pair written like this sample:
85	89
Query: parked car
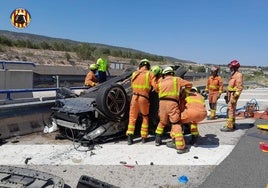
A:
100	114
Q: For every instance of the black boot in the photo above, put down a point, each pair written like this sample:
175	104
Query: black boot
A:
130	139
158	140
143	140
193	141
234	126
171	144
181	151
226	129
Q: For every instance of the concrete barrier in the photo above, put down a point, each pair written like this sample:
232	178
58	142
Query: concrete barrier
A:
27	115
16	79
24	118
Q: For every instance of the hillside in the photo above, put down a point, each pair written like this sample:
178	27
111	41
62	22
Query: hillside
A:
41	57
41	50
44	50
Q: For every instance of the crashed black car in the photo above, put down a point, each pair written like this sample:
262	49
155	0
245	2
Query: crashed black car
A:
100	114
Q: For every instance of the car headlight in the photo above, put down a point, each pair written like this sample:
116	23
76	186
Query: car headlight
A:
95	133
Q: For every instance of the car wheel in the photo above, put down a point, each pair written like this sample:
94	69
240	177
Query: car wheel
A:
112	101
180	72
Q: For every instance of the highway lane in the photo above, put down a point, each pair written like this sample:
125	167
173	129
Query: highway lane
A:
138	165
146	164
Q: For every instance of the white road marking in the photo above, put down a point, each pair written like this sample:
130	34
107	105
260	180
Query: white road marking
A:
110	154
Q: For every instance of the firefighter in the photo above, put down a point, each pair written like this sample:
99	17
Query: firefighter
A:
154	100
193	111
102	69
234	89
214	88
141	84
168	88
157	71
91	79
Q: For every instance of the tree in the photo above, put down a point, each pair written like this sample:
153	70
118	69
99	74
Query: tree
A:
201	69
5	41
84	52
44	45
133	62
67	56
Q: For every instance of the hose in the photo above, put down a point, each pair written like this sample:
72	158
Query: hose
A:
222	108
80	142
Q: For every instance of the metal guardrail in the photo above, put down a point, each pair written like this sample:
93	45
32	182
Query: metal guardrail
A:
14	62
8	92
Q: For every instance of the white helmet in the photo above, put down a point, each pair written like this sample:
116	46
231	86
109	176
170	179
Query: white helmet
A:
168	70
194	89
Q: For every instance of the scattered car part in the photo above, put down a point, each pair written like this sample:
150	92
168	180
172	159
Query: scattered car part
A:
250	107
264	146
86	181
11	176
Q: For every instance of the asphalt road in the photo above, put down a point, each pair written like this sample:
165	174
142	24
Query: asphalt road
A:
246	166
222	159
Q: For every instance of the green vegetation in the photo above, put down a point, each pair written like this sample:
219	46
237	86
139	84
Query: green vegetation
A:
29	54
2	49
84	51
256	76
67	56
133	62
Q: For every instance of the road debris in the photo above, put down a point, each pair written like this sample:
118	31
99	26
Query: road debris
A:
183	179
123	162
264	146
27	160
129	166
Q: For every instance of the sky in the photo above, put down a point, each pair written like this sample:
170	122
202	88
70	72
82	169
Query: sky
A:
203	31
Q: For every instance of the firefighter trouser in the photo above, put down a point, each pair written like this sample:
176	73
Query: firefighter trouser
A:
194	129
193	115
232	103
169	110
177	135
213	98
138	104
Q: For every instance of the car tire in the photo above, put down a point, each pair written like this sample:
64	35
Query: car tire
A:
180	72
112	101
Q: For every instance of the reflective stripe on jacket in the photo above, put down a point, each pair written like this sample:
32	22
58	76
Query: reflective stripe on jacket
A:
140	85
215	84
168	90
141	82
102	65
91	79
170	86
194	99
236	83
